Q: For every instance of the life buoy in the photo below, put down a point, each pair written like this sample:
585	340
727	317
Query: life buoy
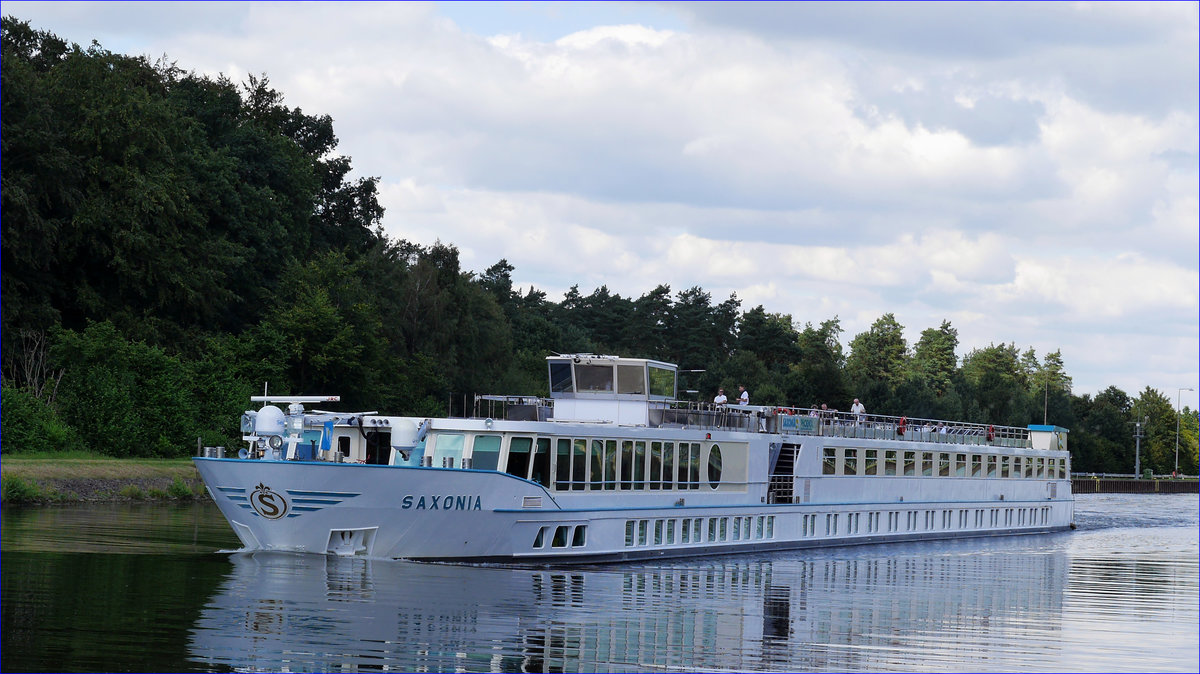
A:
991	433
900	426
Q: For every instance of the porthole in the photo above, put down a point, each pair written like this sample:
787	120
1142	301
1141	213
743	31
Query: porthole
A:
714	467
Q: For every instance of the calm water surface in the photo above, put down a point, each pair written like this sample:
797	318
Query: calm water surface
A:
145	588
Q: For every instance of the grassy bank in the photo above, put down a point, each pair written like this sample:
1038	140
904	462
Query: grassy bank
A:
77	477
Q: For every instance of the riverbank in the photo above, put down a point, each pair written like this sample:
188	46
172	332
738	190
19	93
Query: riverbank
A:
70	478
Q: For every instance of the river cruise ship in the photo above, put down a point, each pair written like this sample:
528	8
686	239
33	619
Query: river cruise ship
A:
613	466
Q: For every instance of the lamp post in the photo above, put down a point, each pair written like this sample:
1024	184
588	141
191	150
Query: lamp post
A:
1177	394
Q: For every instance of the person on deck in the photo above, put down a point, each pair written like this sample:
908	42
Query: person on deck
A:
859	411
720	399
744	396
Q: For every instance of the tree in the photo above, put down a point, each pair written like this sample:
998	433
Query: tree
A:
934	359
996	387
770	336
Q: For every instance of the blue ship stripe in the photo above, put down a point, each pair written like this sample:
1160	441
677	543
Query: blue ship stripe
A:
306	508
237	498
303	492
232	489
325	501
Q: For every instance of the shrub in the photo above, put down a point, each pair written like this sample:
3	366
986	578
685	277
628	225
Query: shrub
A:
30	425
16	489
132	491
179	489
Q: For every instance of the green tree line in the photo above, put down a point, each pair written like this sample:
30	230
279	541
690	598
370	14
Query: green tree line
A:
171	242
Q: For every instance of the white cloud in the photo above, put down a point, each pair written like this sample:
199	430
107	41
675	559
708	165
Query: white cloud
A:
1027	171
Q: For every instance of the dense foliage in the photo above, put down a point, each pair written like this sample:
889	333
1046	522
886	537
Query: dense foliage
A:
172	241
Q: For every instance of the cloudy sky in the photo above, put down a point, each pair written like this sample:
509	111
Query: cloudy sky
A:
1026	171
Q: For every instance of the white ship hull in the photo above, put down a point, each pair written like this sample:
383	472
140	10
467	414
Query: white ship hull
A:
486	516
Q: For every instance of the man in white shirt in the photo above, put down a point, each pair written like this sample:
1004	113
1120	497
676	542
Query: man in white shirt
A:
720	399
858	410
744	396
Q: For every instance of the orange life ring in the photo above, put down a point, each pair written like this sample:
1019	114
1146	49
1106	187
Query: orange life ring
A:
901	425
991	433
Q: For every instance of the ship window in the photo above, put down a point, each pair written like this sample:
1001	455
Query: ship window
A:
642	525
910	463
943	464
560	537
851	462
685	530
540	472
579	539
639	465
714	467
712	529
485	453
694	467
562	473
447	449
631	379
927	464
628	533
662	382
560	377
668	464
540	540
889	462
976	466
670	532
597	464
960	465
770	526
579	465
610	464
518	456
626	462
344	445
594	378
1004	466
737	528
658	532
829	462
991	465
655	464
1028	466
870	463
696	527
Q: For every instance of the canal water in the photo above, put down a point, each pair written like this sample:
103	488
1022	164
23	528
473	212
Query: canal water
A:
146	588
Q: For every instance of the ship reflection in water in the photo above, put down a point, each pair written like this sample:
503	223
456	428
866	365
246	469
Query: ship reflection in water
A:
983	605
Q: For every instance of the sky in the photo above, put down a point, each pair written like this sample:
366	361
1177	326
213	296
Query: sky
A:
1026	171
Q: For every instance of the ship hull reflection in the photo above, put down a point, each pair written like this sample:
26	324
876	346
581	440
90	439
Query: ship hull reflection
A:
916	607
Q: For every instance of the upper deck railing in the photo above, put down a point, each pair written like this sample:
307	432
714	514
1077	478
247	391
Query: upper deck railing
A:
805	421
781	420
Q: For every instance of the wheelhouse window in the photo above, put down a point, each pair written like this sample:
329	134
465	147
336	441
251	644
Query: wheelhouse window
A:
560	377
662	382
594	378
631	379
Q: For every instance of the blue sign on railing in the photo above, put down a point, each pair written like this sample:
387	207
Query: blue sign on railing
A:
797	424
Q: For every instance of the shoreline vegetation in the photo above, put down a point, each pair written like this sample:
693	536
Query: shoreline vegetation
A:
81	477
